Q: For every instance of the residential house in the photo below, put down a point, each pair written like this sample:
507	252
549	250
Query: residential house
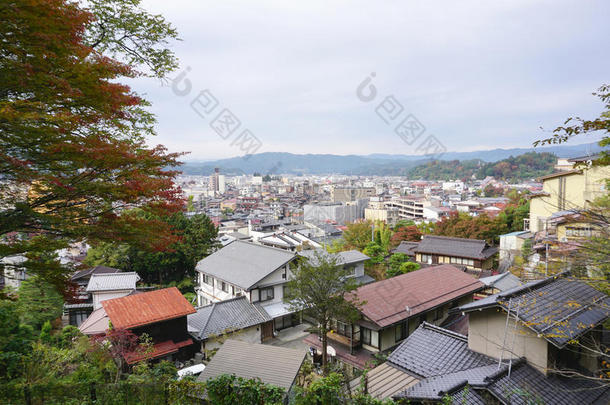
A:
257	272
105	286
235	318
353	260
394	308
407	248
277	366
474	254
568	190
547	318
445	369
260	273
161	314
80	304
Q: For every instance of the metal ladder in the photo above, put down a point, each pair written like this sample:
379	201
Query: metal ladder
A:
509	361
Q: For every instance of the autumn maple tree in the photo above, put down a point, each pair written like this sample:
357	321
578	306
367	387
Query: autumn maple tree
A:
73	151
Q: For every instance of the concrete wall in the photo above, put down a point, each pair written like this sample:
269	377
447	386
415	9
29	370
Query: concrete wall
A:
574	193
486	335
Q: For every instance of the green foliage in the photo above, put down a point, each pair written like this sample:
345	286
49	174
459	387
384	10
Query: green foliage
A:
462	225
73	136
581	127
38	302
231	390
375	252
322	287
15	341
328	391
197	239
45	332
523	167
358	235
399	264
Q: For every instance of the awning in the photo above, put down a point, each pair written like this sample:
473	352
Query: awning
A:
278	309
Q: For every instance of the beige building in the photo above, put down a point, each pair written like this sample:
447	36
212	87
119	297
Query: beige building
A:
345	194
567	190
379	211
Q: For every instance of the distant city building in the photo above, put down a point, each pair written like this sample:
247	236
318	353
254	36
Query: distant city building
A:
345	194
217	182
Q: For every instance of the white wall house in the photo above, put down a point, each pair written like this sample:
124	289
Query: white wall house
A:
104	287
259	273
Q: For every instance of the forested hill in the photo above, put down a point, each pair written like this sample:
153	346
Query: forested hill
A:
522	167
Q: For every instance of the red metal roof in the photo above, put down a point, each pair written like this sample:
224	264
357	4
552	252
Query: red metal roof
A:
420	290
150	307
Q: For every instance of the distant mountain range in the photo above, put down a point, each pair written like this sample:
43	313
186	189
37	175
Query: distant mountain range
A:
374	164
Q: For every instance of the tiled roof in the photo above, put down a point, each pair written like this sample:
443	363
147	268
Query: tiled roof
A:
93	270
347	257
434	388
420	290
113	281
243	263
432	351
225	316
502	282
158	350
385	381
146	308
558	308
457	247
407	248
274	365
525	385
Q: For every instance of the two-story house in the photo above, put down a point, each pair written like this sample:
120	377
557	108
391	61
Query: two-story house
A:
394	308
473	254
161	314
246	269
260	273
79	304
105	286
573	189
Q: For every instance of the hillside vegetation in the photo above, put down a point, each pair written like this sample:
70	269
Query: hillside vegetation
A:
523	167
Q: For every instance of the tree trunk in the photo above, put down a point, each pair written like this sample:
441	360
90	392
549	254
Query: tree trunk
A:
324	346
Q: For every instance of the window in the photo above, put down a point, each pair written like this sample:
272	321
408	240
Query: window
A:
344	329
208	279
266	294
426	258
369	337
232	290
224	286
402	331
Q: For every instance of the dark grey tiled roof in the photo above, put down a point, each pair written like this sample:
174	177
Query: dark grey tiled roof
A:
94	270
457	247
407	248
431	351
225	316
527	385
559	308
436	387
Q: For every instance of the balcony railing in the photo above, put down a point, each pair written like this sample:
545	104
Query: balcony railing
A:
352	342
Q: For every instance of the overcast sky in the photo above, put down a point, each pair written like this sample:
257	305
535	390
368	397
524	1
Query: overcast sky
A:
476	74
